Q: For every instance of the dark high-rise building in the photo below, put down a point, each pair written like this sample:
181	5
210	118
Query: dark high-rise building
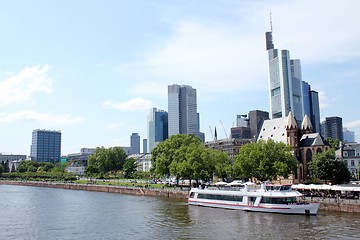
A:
46	146
135	143
256	119
315	111
240	132
332	127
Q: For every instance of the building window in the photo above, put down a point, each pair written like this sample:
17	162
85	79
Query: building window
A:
352	163
345	162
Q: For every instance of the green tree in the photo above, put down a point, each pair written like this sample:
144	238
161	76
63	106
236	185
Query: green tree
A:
172	150
334	144
91	171
264	160
324	166
59	168
108	159
1	169
129	168
221	162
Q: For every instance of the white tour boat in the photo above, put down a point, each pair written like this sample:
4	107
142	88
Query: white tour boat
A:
255	198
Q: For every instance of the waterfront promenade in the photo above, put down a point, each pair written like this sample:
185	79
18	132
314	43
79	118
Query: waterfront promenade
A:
326	204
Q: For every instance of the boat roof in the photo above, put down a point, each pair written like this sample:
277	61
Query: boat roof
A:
242	192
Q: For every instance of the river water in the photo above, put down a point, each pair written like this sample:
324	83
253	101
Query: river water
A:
46	213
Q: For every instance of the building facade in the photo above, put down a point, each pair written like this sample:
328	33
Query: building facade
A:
348	136
11	161
350	154
304	142
182	110
46	146
332	127
82	157
157	127
145	146
287	91
135	143
230	146
256	119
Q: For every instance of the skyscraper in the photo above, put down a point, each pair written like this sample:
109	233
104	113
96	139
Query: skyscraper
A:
135	143
182	110
349	136
145	147
157	127
46	146
287	91
332	127
256	120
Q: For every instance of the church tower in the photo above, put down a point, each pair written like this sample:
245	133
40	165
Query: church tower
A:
292	131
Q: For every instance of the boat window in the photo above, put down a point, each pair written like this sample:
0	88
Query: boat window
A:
221	197
192	195
252	199
279	200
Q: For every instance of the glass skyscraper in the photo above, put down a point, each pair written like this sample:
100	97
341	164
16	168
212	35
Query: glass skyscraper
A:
46	146
135	143
182	110
157	127
287	91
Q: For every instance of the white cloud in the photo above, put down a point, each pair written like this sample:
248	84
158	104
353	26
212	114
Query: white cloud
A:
132	104
46	118
114	126
222	56
353	124
317	31
211	58
20	87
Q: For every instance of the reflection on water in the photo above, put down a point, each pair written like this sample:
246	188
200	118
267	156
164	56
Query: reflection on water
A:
41	213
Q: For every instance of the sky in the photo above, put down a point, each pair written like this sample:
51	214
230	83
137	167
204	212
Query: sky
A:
93	69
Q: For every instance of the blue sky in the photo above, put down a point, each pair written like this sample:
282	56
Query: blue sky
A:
93	69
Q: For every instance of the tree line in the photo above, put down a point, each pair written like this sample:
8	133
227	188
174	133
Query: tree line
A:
184	156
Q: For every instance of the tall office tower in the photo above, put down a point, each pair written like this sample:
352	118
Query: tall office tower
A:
315	111
182	108
157	128
332	127
349	136
287	91
46	146
145	146
256	120
135	143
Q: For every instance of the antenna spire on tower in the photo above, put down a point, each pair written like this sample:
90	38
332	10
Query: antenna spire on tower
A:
271	29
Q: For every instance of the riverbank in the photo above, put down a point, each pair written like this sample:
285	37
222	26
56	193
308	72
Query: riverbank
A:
158	192
326	204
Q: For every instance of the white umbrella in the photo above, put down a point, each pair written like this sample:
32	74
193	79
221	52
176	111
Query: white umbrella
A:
236	183
249	183
220	183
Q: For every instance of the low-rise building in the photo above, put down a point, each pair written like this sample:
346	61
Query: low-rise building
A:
231	145
350	154
143	161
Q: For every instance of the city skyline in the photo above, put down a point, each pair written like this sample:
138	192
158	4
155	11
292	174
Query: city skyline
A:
93	70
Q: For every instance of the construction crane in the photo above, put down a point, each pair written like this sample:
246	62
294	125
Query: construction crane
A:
211	132
224	129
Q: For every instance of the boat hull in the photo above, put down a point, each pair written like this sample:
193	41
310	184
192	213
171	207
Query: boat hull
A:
300	209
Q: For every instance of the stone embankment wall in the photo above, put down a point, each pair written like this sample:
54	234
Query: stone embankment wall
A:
327	204
170	193
338	205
